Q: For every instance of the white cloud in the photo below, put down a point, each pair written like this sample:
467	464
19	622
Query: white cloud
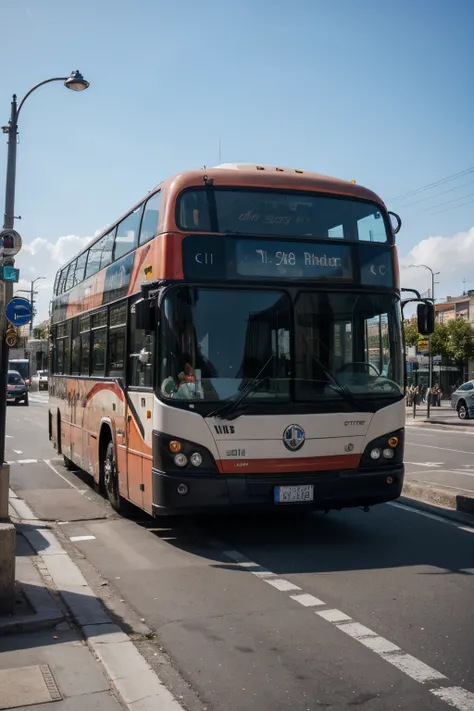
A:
453	257
40	258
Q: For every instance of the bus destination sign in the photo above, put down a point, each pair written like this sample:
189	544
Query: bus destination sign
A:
221	258
294	260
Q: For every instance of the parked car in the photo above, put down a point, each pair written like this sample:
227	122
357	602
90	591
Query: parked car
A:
42	379
17	389
462	400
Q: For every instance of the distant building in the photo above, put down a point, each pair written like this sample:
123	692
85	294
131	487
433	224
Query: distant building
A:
457	307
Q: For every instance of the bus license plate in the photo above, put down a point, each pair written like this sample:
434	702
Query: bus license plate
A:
294	494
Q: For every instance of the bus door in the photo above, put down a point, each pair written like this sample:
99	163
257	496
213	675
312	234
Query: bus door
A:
139	420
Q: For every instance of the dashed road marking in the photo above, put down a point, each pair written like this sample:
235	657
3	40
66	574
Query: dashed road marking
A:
27	461
18	451
281	584
455	696
307	600
76	539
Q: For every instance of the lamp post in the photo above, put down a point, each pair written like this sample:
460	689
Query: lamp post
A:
32	301
75	82
430	355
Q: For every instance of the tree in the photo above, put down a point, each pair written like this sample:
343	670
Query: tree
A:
41	331
453	340
439	341
460	340
411	332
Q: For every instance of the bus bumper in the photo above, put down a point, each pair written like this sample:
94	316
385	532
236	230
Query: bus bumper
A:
175	494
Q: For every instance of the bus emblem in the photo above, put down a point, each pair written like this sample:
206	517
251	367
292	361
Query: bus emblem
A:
293	437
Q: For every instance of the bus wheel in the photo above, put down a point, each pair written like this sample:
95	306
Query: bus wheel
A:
110	478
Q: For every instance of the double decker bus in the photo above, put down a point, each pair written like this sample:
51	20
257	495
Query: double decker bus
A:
235	341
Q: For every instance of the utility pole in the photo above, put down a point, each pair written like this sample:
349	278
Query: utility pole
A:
430	354
10	245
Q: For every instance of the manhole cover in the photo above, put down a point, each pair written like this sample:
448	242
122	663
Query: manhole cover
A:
26	686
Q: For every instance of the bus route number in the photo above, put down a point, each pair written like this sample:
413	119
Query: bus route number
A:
282	258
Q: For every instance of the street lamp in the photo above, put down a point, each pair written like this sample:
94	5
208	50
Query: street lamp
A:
76	82
430	355
31	291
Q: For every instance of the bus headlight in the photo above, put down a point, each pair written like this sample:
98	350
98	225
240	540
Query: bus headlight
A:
384	450
196	459
173	454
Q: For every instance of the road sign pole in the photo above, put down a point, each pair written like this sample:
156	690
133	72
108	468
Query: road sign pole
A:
430	379
8	224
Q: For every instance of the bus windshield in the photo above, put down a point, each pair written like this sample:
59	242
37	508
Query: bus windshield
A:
318	347
282	213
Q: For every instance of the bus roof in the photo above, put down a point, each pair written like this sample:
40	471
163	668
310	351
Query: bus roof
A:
250	175
272	177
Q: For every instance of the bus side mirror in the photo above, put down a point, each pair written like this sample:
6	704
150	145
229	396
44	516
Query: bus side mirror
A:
426	318
145	314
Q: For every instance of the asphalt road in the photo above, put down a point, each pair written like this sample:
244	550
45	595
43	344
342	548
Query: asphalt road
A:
350	610
440	456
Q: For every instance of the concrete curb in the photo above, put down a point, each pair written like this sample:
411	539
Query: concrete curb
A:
456	423
448	515
441	423
137	685
439	496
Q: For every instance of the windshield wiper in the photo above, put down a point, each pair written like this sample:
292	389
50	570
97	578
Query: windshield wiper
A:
231	406
335	385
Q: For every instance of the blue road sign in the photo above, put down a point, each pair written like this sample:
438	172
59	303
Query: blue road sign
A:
9	274
18	311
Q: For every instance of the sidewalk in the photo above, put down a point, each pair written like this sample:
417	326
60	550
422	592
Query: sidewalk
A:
61	647
444	415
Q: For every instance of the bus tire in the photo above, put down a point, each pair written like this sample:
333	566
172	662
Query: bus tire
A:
110	478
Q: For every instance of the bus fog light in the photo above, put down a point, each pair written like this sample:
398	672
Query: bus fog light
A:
389	480
195	459
180	460
375	453
182	489
388	453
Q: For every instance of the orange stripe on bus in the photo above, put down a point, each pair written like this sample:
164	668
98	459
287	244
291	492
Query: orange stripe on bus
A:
280	466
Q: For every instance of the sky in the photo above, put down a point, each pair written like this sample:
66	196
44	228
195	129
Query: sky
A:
378	92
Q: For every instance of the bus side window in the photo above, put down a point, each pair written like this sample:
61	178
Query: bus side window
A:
127	233
84	328
93	263
117	338
75	348
150	219
107	249
81	263
98	339
140	354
